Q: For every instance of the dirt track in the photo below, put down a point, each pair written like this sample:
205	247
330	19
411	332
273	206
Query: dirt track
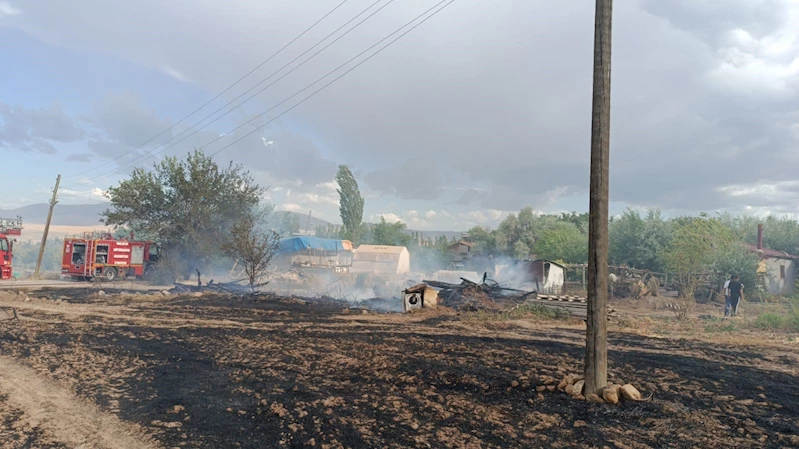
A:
219	372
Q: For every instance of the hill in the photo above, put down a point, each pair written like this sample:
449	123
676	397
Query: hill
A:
73	218
63	215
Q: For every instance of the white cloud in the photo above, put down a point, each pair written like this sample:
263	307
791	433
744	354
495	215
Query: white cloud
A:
6	9
390	217
290	207
430	214
93	194
176	74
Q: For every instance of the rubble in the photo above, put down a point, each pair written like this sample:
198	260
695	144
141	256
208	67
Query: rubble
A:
489	295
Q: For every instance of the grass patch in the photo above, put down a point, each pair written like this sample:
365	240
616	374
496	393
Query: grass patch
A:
770	321
773	321
522	311
722	326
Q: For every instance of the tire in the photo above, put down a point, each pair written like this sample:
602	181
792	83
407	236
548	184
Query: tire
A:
110	274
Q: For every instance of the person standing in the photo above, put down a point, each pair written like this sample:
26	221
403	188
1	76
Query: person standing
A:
726	292
735	291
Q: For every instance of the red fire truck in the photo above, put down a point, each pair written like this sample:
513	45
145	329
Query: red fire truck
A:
8	226
106	258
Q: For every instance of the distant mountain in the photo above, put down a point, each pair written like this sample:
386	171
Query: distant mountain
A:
63	215
89	215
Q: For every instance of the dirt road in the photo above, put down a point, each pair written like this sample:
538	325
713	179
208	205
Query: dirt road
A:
57	415
221	372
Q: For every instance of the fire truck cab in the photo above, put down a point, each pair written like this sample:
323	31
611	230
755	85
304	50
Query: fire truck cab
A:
105	258
8	227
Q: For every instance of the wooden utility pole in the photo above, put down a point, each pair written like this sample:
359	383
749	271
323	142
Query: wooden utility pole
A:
596	348
53	202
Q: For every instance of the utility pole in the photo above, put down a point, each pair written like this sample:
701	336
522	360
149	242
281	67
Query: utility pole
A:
53	202
596	347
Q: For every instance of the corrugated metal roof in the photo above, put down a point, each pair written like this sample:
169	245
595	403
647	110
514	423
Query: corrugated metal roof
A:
772	253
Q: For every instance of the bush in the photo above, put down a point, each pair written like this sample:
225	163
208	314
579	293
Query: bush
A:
771	321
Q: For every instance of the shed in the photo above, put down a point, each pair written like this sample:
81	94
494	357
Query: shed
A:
776	268
543	276
460	251
381	259
308	251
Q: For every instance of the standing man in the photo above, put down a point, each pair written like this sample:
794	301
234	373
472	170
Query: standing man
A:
735	291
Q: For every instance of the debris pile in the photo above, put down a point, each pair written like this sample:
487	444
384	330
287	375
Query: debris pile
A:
473	296
489	295
227	287
574	386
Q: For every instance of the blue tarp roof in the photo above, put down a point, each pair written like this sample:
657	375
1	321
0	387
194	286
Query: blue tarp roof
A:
301	243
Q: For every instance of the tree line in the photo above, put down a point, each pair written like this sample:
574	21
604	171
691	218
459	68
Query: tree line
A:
200	213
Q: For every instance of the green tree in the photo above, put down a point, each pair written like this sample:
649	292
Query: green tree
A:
390	234
253	245
350	204
639	242
697	244
188	206
562	241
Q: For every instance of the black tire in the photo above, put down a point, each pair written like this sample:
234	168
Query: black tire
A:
110	274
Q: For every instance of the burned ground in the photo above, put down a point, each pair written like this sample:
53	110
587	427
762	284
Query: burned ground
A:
218	372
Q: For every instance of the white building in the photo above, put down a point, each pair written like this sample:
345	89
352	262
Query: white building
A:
381	259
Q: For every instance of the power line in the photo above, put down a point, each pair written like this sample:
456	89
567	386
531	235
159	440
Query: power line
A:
223	92
147	154
449	2
445	3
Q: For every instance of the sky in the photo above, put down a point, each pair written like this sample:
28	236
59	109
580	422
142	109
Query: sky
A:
481	110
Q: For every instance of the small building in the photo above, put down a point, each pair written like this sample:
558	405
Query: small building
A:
381	259
777	269
543	276
460	251
313	252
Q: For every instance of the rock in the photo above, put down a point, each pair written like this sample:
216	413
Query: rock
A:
611	394
569	389
551	387
580	423
365	312
514	384
578	388
570	379
164	293
540	388
562	384
100	293
197	294
594	398
630	392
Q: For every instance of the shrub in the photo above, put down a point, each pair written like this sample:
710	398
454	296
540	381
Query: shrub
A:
771	321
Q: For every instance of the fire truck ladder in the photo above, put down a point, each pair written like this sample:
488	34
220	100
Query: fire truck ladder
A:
88	263
11	226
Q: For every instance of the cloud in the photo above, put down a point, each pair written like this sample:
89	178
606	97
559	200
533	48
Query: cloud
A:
34	130
175	74
703	92
6	9
290	207
93	194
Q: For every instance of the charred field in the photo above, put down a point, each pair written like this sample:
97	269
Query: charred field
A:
218	371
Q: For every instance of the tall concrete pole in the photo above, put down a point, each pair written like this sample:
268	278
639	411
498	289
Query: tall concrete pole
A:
53	202
596	348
